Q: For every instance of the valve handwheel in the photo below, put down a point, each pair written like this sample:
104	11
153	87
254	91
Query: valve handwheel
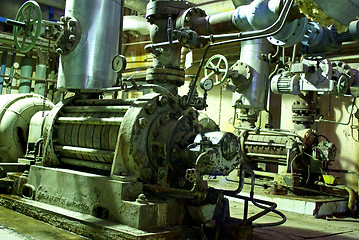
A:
217	65
30	14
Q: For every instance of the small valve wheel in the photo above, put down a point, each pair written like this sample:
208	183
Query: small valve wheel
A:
217	65
30	14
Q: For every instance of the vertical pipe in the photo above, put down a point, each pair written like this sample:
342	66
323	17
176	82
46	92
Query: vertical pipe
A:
8	90
26	71
2	70
40	73
88	66
254	96
50	93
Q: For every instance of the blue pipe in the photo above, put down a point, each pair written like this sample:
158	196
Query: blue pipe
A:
2	19
2	70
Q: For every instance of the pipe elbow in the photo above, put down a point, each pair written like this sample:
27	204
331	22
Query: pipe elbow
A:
259	14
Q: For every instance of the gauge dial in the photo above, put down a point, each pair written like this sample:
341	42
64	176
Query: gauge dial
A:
118	63
206	84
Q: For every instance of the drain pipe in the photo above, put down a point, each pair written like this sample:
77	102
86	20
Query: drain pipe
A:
3	68
26	71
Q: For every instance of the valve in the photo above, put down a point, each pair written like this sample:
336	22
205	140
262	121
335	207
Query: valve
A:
217	65
27	24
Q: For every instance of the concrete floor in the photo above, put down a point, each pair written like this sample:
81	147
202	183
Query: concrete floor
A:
16	226
300	226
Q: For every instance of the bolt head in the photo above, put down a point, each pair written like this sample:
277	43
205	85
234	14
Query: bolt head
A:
150	108
162	100
142	122
72	38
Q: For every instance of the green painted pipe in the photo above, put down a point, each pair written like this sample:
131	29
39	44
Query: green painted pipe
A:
40	73
26	71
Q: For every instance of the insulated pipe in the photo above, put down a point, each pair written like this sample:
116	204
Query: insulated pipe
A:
8	90
137	5
88	66
254	96
2	70
16	111
40	73
259	14
26	71
238	3
136	23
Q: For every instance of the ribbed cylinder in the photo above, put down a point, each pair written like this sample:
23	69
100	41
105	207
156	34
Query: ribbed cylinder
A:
86	132
266	148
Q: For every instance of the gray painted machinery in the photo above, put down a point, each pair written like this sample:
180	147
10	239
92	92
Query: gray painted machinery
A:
139	163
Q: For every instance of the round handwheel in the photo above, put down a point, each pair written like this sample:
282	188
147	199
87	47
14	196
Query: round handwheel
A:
30	14
217	65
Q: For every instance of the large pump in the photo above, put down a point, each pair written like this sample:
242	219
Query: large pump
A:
140	162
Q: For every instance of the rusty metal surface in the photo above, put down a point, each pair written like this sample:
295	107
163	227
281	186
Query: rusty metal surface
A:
89	226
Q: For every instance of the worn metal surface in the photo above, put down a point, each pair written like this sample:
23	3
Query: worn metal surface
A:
133	154
166	58
102	197
90	226
97	43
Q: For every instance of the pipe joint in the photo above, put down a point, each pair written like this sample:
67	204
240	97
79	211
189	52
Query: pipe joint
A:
259	14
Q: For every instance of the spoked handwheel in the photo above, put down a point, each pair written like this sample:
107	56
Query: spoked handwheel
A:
30	14
216	66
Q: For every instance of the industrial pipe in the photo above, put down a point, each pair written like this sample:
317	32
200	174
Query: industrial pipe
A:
3	68
136	23
40	87
8	90
26	71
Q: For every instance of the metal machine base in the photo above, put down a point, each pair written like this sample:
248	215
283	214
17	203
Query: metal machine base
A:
90	226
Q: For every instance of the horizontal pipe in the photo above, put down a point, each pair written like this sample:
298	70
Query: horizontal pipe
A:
266	155
80	109
88	164
105	102
265	144
90	120
265	174
28	78
86	151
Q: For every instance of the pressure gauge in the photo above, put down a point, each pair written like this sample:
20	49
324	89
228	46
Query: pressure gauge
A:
118	63
206	84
